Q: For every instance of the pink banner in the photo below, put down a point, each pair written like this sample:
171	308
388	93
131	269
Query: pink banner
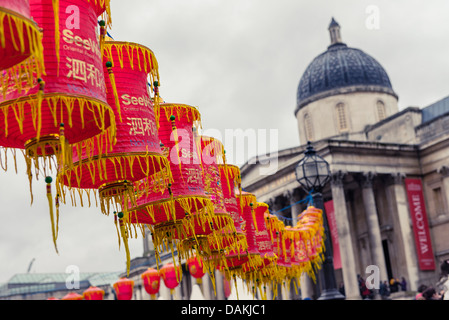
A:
421	230
330	213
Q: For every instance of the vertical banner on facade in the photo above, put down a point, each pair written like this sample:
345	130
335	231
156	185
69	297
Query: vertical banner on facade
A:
418	213
330	214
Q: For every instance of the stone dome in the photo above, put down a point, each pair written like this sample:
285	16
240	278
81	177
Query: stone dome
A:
341	69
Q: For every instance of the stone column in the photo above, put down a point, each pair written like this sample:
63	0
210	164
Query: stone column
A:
219	285
306	286
444	171
352	291
293	198
374	236
397	201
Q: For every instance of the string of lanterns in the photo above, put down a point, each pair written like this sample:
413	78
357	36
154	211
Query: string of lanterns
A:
64	93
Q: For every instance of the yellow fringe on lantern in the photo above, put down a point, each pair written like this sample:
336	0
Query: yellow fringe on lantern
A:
180	111
123	165
26	72
138	56
56	102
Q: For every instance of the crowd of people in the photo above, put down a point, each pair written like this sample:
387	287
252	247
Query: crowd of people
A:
437	292
440	290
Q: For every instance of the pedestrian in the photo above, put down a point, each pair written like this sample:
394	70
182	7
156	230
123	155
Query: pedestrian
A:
342	289
384	291
394	285
431	294
443	283
403	284
421	289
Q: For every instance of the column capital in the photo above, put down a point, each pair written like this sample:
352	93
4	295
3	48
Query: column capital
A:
367	178
337	178
444	171
288	194
395	178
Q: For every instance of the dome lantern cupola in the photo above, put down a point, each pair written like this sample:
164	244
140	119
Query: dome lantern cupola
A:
334	30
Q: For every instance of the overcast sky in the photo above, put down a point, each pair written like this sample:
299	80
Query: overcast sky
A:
239	62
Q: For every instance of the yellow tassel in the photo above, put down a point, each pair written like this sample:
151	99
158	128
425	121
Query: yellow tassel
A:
124	234
48	180
102	24
56	15
114	88
40	97
176	138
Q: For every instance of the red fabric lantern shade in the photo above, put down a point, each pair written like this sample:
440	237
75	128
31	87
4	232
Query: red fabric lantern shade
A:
230	180
137	153
72	296
171	276
21	51
196	268
211	239
151	281
69	104
73	90
93	293
247	203
165	213
124	288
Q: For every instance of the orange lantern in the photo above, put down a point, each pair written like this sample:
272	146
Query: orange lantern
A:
165	213
151	281
171	276
21	51
52	298
124	288
93	293
196	268
72	296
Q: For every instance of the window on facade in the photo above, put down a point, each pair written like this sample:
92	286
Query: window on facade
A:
438	200
381	113
308	127
341	117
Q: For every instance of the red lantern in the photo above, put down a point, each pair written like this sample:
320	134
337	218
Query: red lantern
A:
236	252
68	105
93	293
166	212
52	298
196	268
73	90
72	296
21	51
211	238
124	288
137	153
171	276
151	281
247	203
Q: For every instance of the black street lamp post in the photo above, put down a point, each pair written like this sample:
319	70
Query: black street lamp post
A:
312	173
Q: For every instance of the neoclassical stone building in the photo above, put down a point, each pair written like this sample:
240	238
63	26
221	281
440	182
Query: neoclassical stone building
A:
390	169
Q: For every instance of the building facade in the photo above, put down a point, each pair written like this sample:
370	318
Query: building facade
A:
389	169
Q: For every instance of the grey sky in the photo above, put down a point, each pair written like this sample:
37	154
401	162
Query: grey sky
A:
239	62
